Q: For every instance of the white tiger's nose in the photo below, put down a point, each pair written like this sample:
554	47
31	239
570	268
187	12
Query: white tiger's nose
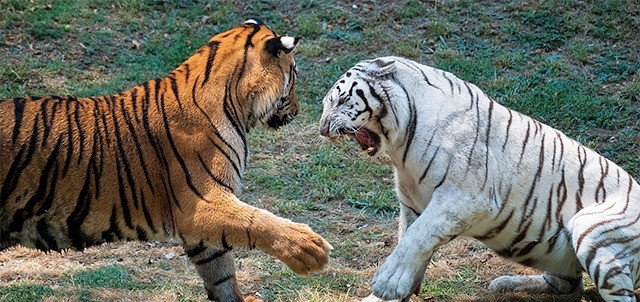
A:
324	130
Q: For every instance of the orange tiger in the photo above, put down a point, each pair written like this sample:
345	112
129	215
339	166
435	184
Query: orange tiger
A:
162	160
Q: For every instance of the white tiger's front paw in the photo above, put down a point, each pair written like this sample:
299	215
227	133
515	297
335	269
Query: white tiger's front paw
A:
372	298
399	276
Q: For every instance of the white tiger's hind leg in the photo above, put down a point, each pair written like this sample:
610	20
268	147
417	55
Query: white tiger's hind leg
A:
607	247
546	283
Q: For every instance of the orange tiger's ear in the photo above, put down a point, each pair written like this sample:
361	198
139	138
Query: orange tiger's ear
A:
279	45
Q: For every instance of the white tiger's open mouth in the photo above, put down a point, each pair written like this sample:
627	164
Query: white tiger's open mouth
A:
368	140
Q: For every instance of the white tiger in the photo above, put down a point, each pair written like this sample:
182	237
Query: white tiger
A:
467	166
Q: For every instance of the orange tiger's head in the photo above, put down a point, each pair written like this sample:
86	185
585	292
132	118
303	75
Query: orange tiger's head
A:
255	70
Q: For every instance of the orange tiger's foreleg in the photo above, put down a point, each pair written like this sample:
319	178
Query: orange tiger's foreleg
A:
224	222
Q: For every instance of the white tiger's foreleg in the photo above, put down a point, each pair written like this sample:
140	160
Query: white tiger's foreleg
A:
403	271
406	217
607	251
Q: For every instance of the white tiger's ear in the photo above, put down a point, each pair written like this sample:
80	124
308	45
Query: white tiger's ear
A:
381	67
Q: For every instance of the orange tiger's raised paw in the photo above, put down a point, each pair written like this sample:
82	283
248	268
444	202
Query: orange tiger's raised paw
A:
301	248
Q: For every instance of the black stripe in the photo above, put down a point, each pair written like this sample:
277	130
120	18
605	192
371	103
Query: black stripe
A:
248	43
444	177
103	117
98	142
12	178
233	164
136	143
213	48
495	231
216	132
134	103
146	125
43	230
176	153
113	232
224	242
122	156
475	139
145	211
80	212
506	138
604	171
534	184
215	255
444	74
223	280
142	234
69	154
561	195
413	121
18	114
46	126
424	174
124	203
229	106
239	132
194	251
486	154
27	212
524	144
174	89
213	176
187	72
470	94
424	76
51	182
13	175
583	163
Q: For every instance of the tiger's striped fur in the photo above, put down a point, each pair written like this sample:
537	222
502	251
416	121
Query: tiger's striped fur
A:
467	166
162	160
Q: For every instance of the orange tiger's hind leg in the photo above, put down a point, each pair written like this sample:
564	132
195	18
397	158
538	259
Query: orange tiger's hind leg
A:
217	269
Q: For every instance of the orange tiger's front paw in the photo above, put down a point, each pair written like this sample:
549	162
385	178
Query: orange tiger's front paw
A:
301	249
251	299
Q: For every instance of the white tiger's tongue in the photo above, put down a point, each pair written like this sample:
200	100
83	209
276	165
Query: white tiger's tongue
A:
367	144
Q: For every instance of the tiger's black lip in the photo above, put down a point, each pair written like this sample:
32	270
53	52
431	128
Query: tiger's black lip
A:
275	122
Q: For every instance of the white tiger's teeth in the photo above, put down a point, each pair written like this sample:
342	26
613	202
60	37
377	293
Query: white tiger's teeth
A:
369	149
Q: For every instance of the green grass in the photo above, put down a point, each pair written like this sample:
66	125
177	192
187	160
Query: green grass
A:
574	68
444	288
111	276
25	292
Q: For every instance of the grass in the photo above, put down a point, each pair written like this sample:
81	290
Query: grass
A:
574	68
